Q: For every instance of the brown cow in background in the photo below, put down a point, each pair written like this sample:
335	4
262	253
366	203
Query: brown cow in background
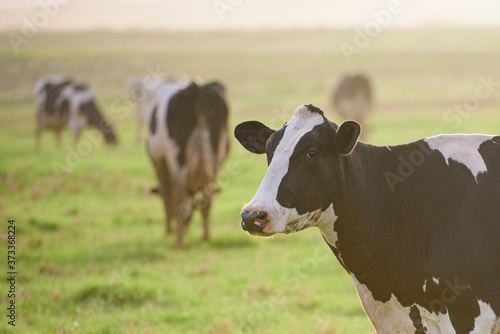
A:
353	99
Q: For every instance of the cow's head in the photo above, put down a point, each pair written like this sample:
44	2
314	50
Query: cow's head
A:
304	160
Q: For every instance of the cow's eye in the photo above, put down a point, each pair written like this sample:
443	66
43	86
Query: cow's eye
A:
313	154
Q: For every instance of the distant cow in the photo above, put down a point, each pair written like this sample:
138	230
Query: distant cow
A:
417	226
188	142
62	102
353	99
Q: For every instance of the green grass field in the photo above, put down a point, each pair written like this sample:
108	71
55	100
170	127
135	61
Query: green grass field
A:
91	252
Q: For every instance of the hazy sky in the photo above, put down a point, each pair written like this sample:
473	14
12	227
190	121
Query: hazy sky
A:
231	14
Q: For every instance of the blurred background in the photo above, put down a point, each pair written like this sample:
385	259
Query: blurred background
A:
91	252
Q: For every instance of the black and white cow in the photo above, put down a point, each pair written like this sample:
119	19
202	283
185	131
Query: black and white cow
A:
417	226
188	141
353	99
61	102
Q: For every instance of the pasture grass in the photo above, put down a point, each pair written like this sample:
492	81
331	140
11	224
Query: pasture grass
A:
92	256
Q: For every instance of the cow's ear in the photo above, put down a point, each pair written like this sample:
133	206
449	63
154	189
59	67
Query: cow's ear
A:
253	136
347	137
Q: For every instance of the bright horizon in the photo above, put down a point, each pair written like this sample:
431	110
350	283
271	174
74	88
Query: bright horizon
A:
242	14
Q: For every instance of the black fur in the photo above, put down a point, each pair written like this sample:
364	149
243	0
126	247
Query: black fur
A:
152	121
182	117
52	92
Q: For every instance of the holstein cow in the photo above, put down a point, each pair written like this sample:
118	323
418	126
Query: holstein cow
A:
62	102
353	99
188	142
417	226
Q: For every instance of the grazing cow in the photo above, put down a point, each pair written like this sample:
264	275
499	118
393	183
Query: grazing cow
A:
188	142
353	99
417	226
62	102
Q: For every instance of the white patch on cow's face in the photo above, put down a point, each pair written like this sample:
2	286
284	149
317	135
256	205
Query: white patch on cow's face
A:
425	285
487	321
435	280
281	219
461	148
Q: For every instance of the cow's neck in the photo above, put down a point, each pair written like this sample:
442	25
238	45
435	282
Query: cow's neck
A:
360	204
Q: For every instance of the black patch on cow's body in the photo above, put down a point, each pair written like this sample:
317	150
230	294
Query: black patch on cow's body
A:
152	121
417	320
215	109
94	118
183	113
195	106
438	222
52	93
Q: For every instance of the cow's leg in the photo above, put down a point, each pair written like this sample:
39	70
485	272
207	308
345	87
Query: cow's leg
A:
205	212
181	224
184	211
76	133
166	193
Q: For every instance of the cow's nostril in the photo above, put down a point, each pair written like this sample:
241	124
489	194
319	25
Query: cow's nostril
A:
248	216
253	220
261	215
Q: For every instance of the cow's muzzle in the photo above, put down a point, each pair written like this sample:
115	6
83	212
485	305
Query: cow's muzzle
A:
254	221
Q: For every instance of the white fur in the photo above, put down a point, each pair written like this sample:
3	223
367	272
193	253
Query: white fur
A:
461	148
145	92
53	78
387	318
160	144
392	317
76	121
435	323
487	321
303	121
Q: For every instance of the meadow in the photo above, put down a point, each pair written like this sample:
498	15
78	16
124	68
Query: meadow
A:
92	256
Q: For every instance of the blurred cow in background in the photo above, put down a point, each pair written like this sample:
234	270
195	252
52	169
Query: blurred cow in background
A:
187	142
62	102
353	99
